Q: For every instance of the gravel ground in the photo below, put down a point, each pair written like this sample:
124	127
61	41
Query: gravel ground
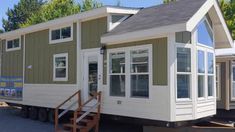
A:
10	121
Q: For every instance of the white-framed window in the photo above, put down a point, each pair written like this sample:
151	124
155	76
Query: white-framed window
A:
183	73
117	74
210	74
205	48
60	67
13	44
201	73
139	73
130	71
61	34
233	81
205	36
218	84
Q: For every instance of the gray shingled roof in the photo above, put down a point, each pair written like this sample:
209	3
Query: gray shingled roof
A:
160	15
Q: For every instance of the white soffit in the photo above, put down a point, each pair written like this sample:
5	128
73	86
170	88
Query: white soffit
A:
143	34
225	52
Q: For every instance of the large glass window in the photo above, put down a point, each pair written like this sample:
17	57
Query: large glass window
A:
117	74
210	73
61	67
205	34
13	44
183	72
218	87
233	81
139	73
201	73
61	33
129	70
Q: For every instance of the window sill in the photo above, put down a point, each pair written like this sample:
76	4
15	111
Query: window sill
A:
141	98
183	100
13	49
211	97
201	98
60	79
61	40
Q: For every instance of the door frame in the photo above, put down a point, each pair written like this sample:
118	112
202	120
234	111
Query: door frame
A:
84	70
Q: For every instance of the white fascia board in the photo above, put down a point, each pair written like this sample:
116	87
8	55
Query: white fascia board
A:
122	10
143	34
84	16
225	52
197	17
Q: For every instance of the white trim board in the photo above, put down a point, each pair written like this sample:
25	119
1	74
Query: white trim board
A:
12	39
57	41
66	67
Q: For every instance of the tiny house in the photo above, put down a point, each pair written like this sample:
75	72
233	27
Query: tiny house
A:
155	63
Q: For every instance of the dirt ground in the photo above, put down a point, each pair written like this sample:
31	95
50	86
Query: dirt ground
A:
10	121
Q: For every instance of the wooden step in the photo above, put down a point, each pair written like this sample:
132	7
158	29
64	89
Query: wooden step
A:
90	114
71	126
84	120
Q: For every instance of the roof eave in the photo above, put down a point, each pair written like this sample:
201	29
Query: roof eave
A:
143	34
84	16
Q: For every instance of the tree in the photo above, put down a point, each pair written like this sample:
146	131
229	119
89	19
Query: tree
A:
59	8
1	31
89	5
168	1
228	10
20	13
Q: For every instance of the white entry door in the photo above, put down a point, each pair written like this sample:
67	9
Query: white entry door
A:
92	75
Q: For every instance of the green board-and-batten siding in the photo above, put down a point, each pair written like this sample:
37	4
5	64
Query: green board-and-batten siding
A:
12	61
159	52
39	54
92	31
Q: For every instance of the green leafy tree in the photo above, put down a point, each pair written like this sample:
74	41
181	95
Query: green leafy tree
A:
20	13
168	1
59	8
228	10
90	4
1	31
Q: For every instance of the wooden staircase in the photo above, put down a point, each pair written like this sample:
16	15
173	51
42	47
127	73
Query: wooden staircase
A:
82	121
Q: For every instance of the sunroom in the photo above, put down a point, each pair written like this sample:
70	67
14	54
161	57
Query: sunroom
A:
162	67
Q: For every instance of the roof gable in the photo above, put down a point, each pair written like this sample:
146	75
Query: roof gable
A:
182	15
158	16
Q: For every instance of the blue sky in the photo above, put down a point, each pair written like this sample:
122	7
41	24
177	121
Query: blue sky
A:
5	4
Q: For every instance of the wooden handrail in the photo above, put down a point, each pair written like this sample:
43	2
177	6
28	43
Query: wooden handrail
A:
89	100
57	108
80	106
75	115
78	92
